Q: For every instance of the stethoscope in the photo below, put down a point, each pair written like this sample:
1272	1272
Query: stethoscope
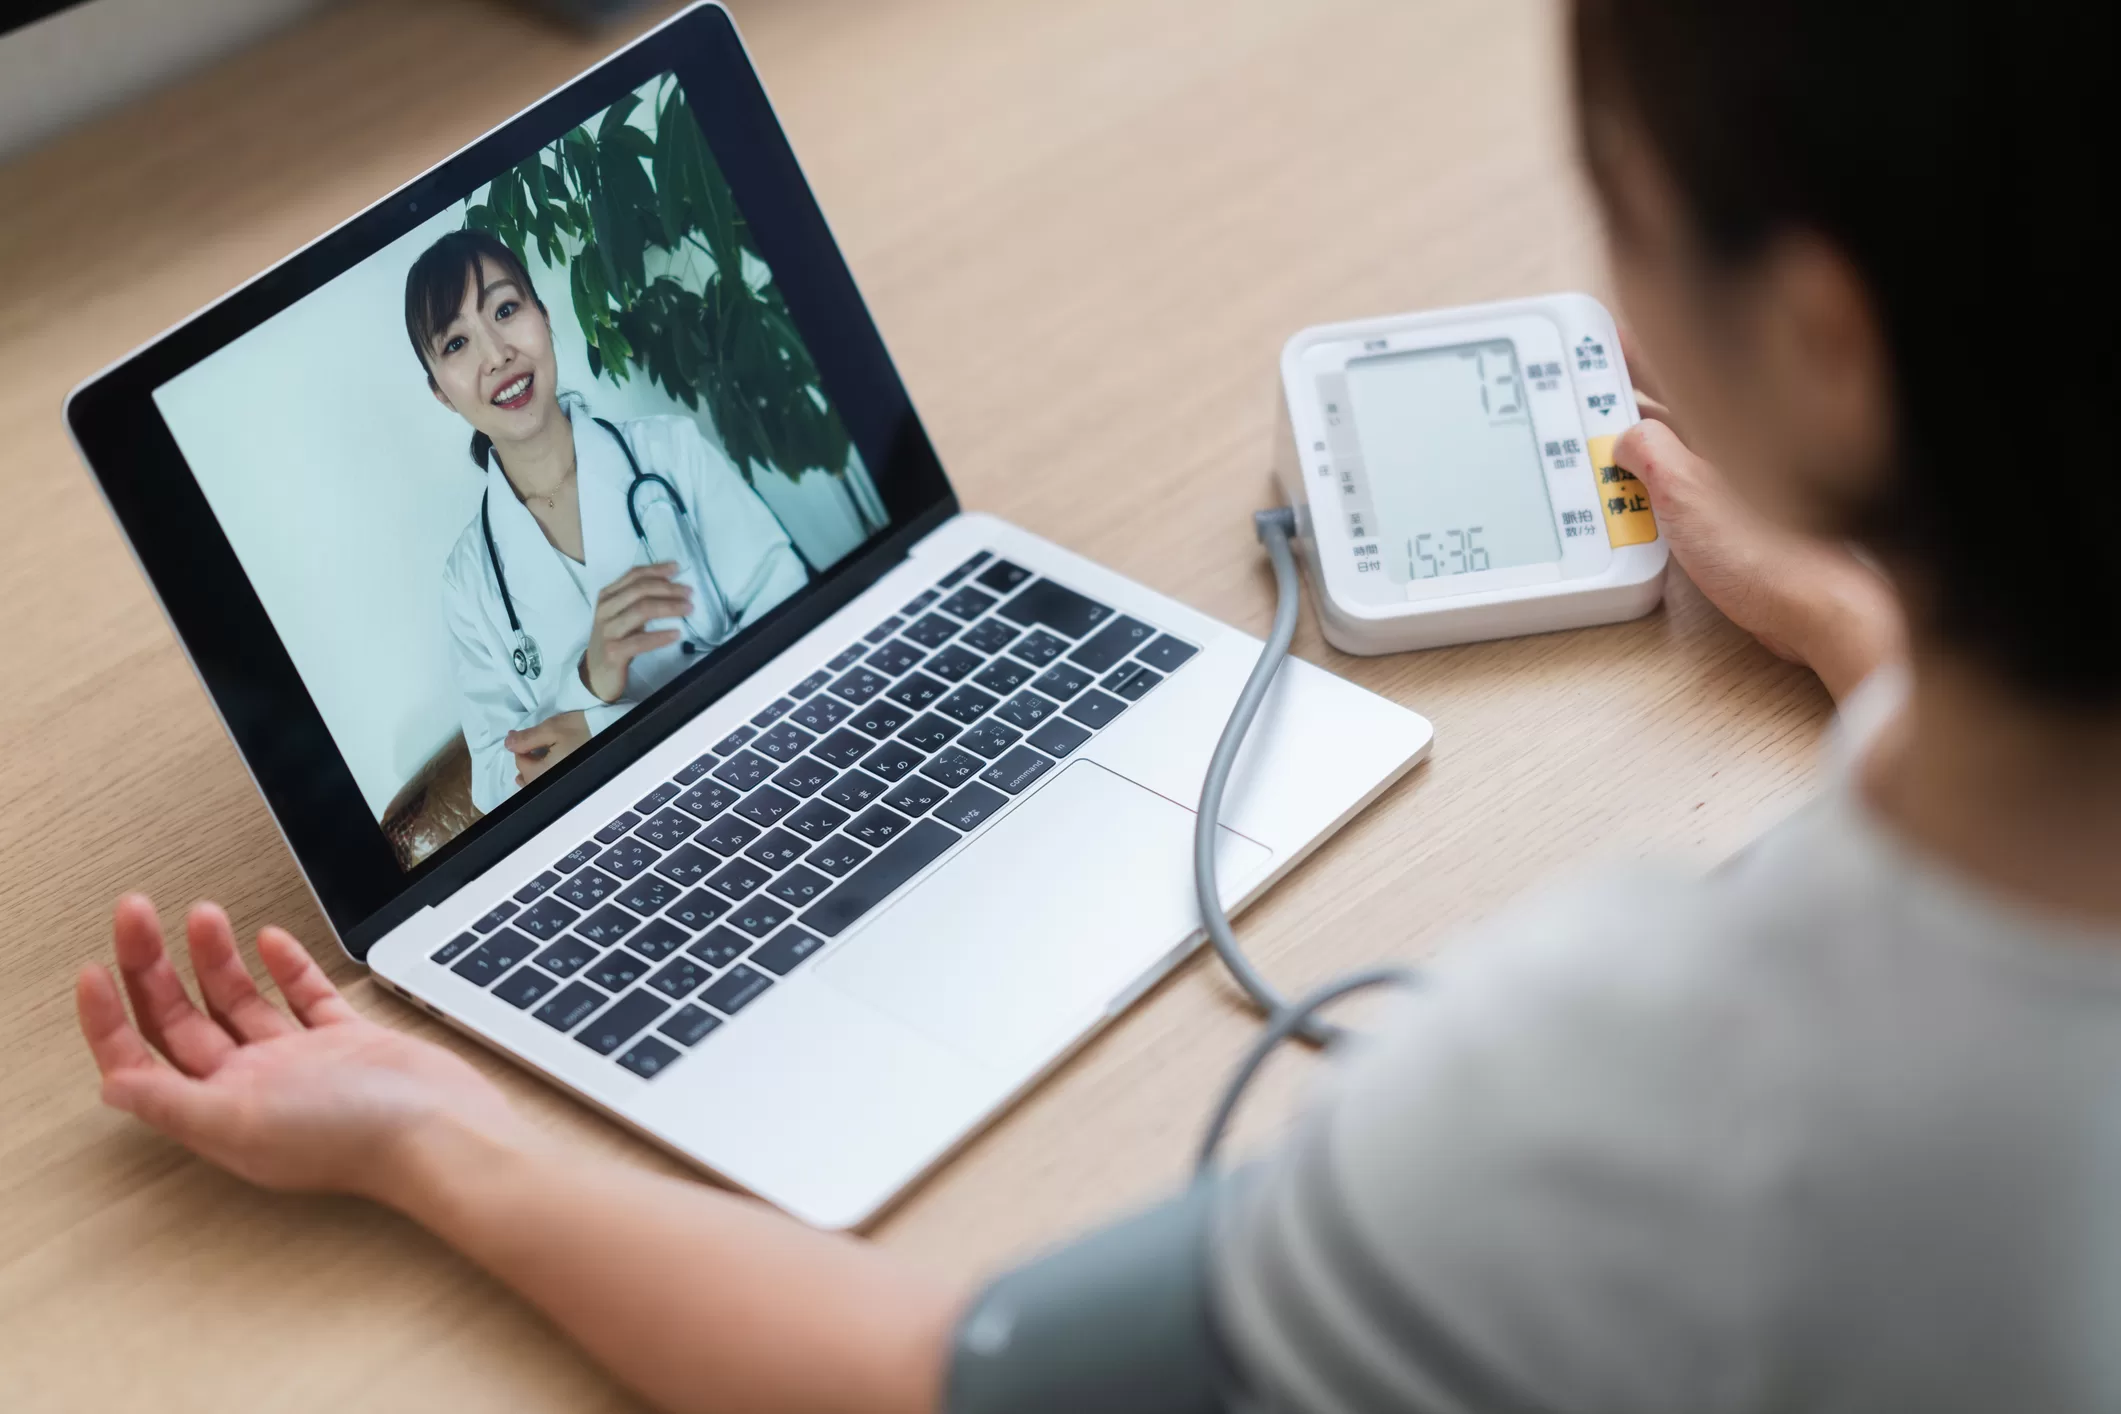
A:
525	657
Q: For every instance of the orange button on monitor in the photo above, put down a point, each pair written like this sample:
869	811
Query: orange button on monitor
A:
1628	517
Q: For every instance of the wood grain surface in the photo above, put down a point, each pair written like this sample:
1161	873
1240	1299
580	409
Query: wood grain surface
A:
1086	230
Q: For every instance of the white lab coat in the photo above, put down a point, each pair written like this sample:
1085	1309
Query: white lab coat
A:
746	546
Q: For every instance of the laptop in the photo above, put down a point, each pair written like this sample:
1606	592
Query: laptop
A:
562	552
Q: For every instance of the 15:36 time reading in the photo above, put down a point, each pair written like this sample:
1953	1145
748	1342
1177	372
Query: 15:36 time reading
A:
1434	553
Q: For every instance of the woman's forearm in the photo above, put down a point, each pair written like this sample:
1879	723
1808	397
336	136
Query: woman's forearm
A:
700	1300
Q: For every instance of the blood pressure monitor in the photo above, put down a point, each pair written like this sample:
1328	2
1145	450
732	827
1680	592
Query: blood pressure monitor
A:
1452	474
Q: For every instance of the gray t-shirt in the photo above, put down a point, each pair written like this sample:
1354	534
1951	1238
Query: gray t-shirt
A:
1828	1129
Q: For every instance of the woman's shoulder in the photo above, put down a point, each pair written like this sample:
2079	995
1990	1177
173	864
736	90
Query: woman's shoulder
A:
668	441
465	563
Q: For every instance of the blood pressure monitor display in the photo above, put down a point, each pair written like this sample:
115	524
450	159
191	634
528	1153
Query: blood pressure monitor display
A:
1457	484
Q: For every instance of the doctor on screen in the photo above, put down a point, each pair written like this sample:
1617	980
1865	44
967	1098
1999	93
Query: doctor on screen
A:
604	558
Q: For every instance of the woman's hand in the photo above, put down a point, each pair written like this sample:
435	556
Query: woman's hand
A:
323	1100
538	748
618	627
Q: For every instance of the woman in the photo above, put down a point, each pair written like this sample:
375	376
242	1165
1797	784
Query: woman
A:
603	558
1831	1128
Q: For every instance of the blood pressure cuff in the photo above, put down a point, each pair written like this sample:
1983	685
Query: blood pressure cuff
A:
1119	1322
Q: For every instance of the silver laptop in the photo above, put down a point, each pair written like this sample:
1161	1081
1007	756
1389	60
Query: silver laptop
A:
564	555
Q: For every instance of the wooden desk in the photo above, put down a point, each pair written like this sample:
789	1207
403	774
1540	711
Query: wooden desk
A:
1086	230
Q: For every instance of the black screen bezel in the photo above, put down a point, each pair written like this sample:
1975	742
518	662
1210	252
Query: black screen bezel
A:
224	627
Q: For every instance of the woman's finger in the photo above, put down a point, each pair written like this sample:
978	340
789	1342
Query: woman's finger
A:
185	1109
660	572
635	644
104	1025
635	594
644	611
224	982
309	992
164	1010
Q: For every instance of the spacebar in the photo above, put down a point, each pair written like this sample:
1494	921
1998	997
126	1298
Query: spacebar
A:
871	884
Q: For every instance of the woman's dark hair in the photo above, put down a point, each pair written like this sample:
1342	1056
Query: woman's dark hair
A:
434	292
1950	149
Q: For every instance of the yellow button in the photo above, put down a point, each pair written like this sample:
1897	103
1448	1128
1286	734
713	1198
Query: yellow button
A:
1628	517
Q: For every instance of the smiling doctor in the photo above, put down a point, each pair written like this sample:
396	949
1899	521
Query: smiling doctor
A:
604	557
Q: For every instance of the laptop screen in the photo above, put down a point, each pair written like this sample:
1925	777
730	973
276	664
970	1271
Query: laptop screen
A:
530	463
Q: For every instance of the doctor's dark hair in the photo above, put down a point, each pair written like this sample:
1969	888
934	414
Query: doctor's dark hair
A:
1949	150
434	292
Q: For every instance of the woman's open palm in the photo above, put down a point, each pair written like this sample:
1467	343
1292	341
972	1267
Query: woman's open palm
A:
322	1099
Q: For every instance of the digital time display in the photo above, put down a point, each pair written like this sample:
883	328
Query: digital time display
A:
1456	481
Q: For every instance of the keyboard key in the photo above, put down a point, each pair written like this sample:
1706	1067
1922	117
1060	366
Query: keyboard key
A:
607	925
681	978
523	986
821	713
687	865
647	894
617	827
578	856
1059	737
929	732
1016	770
622	1021
1039	648
493	957
1131	680
816	819
957	576
1027	709
628	857
744	771
954	663
567	956
1001	576
919	602
537	886
799	887
734	740
805	777
773	712
694	911
616	970
721	947
990	738
656	799
737	878
1002	676
570	1006
760	915
970	806
891	761
587	889
666	829
847	657
766	805
1094	709
884	630
810	684
854	790
1049	605
869	885
895	657
917	691
843	748
1167	653
647	1057
777	849
932	632
739	987
501	914
990	635
1112	643
546	918
706	800
859	686
727	835
880	718
876	826
953	767
968	603
967	704
694	771
916	796
657	939
1063	680
689	1025
780	953
784	743
838	855
454	948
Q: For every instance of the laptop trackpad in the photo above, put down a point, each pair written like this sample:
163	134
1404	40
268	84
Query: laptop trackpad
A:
1012	947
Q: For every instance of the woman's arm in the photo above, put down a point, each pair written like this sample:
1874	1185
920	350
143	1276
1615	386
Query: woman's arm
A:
486	704
698	1299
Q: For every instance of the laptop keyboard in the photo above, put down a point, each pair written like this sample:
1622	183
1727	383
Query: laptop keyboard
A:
648	936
